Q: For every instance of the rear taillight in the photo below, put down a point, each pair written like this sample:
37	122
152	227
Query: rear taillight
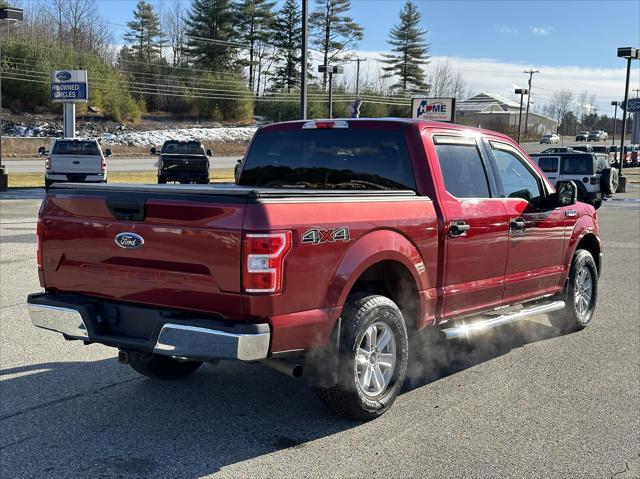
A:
263	261
103	166
595	180
39	232
47	163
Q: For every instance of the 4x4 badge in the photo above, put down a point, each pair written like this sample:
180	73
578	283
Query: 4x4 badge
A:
318	235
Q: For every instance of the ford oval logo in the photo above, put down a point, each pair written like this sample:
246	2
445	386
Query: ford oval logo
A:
129	240
63	76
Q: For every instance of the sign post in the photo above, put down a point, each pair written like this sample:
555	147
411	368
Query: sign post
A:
69	87
435	109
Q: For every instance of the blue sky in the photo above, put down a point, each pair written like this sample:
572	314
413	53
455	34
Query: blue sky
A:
551	32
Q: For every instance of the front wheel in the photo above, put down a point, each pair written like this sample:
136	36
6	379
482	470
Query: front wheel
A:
581	294
156	366
373	356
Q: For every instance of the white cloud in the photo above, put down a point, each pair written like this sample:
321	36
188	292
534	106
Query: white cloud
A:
506	30
493	76
545	31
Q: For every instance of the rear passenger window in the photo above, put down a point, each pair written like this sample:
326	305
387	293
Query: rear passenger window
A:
462	168
548	164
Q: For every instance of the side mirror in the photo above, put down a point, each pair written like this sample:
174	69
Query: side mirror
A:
209	153
566	194
107	152
42	151
153	151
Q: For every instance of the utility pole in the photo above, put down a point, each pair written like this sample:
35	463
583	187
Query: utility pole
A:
521	92
530	72
303	67
358	60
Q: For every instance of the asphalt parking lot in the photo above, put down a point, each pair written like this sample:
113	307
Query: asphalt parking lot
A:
527	403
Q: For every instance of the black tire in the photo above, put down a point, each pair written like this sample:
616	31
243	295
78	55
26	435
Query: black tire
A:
609	181
47	183
156	366
573	318
597	203
348	398
203	181
162	180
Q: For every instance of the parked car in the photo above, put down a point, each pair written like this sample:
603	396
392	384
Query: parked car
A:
550	139
557	149
582	136
592	173
597	135
342	244
183	161
74	159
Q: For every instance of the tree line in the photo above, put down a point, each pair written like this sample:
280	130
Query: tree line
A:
219	59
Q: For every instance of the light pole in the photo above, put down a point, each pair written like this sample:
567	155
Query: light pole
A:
303	61
615	104
330	70
526	117
7	14
629	53
521	92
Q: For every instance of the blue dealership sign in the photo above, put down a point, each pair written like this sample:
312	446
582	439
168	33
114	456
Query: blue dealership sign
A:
69	92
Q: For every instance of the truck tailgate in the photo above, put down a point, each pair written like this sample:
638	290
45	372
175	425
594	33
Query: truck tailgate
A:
191	252
76	164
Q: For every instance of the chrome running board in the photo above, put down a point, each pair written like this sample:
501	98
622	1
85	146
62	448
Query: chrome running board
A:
481	325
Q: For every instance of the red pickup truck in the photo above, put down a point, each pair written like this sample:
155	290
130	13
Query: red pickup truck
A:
341	243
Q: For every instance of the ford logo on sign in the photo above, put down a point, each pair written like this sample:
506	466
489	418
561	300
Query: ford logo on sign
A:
129	240
63	76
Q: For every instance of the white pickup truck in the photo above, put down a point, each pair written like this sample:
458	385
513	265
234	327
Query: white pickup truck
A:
75	159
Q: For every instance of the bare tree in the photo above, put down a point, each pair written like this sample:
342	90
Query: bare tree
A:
77	13
175	31
559	106
444	81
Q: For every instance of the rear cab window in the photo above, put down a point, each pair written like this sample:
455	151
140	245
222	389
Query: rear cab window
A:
330	158
76	148
182	148
463	170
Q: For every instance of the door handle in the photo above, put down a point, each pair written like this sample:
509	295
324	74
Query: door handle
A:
458	228
517	224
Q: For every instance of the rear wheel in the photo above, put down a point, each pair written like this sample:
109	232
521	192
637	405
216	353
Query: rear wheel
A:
581	294
162	180
47	183
374	351
156	366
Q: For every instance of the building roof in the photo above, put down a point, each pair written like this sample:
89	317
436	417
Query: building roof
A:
487	102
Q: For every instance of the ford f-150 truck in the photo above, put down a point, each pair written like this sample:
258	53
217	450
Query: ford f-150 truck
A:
340	244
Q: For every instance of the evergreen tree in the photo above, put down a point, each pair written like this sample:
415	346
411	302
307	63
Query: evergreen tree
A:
254	26
144	35
409	50
211	34
288	42
333	31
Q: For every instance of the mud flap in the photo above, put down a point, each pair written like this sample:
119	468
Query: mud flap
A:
320	368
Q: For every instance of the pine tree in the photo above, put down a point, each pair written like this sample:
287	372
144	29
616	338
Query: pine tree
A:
288	42
409	50
333	31
144	35
211	34
254	26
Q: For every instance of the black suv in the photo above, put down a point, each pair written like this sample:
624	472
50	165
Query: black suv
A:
183	161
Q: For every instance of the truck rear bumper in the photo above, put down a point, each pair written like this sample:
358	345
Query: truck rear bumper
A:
147	329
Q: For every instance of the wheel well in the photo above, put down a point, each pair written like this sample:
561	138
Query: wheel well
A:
393	280
590	243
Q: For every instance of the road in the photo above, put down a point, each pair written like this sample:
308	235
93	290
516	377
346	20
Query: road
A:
527	403
114	164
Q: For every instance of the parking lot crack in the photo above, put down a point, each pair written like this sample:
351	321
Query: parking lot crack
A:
627	469
67	398
19	441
